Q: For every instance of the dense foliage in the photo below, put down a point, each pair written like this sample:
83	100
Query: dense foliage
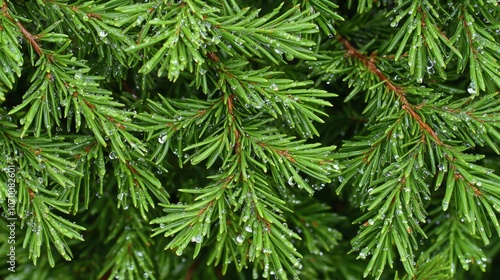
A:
309	139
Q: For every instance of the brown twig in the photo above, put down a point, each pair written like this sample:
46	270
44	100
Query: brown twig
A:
237	134
31	38
399	91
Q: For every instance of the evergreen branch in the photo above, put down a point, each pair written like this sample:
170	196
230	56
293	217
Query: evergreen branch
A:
435	267
237	143
480	49
46	158
296	106
91	164
129	256
453	121
264	37
89	19
262	226
58	68
327	15
134	179
79	95
291	157
400	92
103	118
181	44
464	180
392	197
178	119
462	175
33	40
11	57
44	103
474	193
427	39
457	243
322	237
45	226
36	199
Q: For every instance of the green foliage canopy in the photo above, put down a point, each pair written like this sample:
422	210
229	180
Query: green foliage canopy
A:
206	129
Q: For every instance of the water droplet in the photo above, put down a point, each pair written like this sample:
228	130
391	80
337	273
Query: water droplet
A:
240	239
472	88
440	166
267	251
162	138
112	155
196	238
445	205
78	75
274	87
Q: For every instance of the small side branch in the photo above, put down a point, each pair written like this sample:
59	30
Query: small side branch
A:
32	39
399	91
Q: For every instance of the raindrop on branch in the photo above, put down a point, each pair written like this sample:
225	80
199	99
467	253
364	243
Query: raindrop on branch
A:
472	89
162	138
78	75
196	239
240	239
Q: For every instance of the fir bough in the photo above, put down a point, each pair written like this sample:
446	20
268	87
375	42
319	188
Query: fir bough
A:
196	139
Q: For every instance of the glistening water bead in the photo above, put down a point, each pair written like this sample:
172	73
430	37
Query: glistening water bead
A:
162	138
240	239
